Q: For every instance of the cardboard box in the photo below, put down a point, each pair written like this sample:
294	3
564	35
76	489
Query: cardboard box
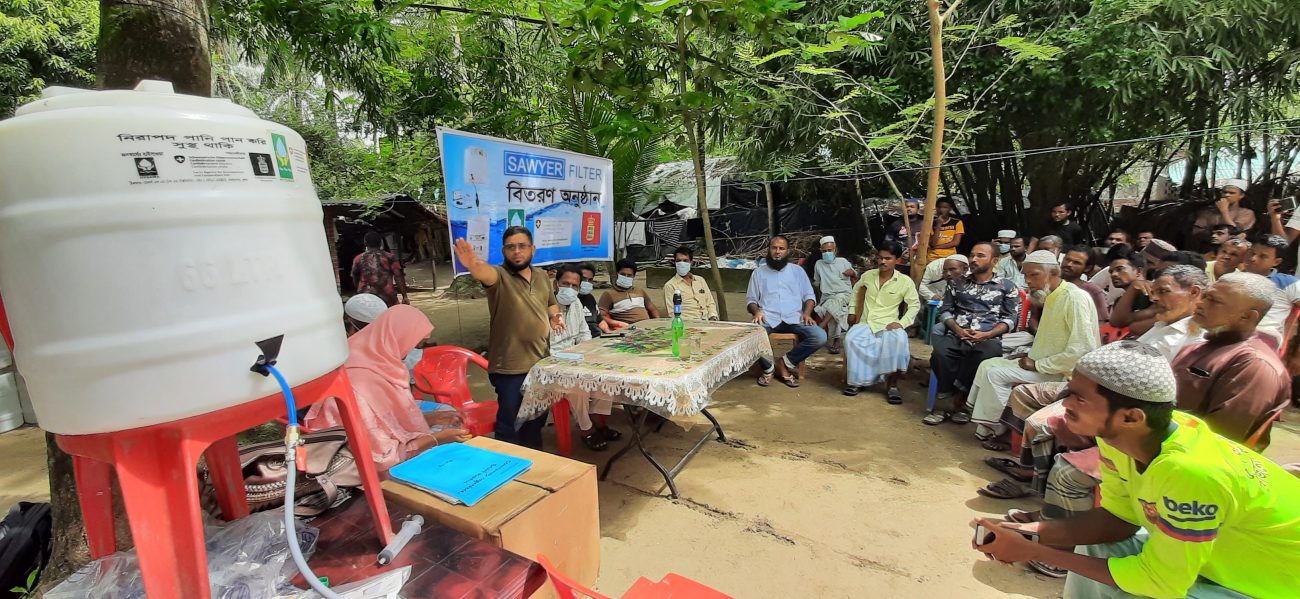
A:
551	509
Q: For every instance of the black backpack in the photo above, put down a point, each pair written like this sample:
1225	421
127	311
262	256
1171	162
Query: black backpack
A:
25	542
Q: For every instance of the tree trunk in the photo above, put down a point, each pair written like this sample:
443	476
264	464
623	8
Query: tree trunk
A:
771	210
138	39
936	138
693	137
154	39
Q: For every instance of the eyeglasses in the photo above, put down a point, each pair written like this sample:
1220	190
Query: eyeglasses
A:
515	247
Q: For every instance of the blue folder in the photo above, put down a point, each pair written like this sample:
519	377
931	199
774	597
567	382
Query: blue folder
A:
459	473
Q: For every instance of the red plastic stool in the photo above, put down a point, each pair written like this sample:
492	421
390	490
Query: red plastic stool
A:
156	469
443	374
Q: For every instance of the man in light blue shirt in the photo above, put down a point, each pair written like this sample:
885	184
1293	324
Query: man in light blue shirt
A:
780	297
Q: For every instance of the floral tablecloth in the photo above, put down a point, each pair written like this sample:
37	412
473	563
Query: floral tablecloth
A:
639	368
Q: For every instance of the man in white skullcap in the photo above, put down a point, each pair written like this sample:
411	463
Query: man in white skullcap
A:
833	278
1067	329
1011	253
361	310
1184	512
934	281
1227	210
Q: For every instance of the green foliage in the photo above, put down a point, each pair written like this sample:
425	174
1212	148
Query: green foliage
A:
43	43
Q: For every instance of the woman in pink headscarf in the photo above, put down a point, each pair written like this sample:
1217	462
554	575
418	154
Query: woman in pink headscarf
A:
382	385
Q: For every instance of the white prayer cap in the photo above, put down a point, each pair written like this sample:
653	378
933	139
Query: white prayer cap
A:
1041	257
1006	234
959	258
1131	369
827	239
365	307
1238	183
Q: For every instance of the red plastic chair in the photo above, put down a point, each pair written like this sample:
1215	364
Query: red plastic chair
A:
560	413
672	586
1289	331
155	468
443	374
1025	306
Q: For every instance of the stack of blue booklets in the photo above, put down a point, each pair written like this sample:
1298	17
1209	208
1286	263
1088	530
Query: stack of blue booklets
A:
459	473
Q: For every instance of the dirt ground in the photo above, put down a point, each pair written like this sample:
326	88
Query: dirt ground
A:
814	494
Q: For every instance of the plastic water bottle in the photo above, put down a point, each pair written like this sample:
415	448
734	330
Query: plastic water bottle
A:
679	327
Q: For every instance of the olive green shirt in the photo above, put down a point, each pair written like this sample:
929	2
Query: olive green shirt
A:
519	332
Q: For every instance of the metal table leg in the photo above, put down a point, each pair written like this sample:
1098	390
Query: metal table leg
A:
669	474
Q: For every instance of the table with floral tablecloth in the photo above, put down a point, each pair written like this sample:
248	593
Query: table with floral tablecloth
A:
639	369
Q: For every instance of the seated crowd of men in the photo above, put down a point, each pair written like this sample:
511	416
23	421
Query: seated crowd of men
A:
1083	389
1137	378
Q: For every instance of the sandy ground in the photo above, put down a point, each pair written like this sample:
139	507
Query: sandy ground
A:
814	494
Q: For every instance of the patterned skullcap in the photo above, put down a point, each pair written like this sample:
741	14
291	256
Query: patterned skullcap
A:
1131	369
957	257
1006	234
365	307
825	240
1042	257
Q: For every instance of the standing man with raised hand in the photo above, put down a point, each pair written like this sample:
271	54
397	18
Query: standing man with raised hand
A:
780	298
1227	210
522	314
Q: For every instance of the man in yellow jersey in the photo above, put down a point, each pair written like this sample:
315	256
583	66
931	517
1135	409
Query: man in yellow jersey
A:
1184	512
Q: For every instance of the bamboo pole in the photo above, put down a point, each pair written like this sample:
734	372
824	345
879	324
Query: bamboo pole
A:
936	138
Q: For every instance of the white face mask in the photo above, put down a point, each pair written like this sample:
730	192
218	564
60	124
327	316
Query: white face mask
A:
683	268
624	282
566	296
585	288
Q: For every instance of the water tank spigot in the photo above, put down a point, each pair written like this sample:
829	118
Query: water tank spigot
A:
270	353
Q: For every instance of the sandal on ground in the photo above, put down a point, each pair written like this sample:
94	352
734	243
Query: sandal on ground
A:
789	380
961	417
996	444
834	350
893	397
595	441
851	390
610	434
936	417
1021	516
1046	570
1004	489
765	379
1010	468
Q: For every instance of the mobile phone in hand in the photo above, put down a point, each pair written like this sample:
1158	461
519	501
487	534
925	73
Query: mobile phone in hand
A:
984	536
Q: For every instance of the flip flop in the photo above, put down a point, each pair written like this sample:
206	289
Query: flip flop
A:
996	445
595	441
850	391
790	380
765	379
961	417
1008	467
893	397
936	417
1004	489
1022	517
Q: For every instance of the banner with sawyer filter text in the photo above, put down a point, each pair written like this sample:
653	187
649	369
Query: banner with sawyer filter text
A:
565	199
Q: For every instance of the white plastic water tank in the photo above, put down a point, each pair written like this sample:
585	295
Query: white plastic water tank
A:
147	239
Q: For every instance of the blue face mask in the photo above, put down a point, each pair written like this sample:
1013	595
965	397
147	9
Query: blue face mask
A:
585	288
828	256
683	268
1004	248
565	296
624	282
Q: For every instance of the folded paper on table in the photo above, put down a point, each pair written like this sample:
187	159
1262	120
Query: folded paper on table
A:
458	473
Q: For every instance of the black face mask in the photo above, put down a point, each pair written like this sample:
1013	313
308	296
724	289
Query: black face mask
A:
775	264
